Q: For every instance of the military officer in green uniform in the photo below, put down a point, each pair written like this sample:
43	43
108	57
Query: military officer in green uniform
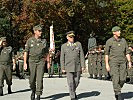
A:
6	60
72	61
36	48
116	52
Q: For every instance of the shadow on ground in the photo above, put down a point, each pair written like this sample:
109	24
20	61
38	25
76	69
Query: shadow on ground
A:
20	91
88	94
127	95
82	95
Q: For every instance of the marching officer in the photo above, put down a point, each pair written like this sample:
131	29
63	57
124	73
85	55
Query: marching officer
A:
72	61
6	59
36	49
116	52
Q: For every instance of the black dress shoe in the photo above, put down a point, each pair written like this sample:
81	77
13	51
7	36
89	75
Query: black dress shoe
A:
76	96
116	96
33	95
9	89
38	97
1	91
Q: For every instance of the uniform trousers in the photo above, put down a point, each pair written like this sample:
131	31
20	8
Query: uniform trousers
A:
36	76
5	72
118	73
73	81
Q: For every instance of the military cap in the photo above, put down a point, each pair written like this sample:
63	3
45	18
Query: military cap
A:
3	38
37	27
116	28
70	33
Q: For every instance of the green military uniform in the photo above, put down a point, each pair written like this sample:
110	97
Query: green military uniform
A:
6	56
104	71
99	64
94	63
90	67
20	62
72	59
37	49
6	65
91	42
117	50
51	69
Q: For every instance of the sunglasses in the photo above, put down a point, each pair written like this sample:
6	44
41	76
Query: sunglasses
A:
71	36
40	30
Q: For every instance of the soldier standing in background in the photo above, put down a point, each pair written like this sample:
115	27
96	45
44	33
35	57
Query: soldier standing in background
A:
36	48
92	42
90	67
116	52
104	71
91	45
99	61
94	63
51	69
20	62
6	60
57	60
72	62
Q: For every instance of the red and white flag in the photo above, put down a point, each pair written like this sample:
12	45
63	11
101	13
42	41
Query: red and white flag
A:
52	43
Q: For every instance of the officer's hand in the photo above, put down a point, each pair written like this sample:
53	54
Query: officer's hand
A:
48	65
25	66
107	67
130	65
63	71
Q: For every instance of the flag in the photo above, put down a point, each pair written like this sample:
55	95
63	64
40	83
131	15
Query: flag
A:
52	43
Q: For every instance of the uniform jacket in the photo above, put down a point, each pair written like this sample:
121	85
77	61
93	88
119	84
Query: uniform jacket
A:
72	58
116	49
6	55
37	48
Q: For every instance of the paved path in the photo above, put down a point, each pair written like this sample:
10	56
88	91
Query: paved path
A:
57	89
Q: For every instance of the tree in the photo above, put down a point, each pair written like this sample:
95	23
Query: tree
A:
81	16
124	18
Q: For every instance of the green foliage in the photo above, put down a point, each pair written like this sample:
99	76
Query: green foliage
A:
125	18
17	17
